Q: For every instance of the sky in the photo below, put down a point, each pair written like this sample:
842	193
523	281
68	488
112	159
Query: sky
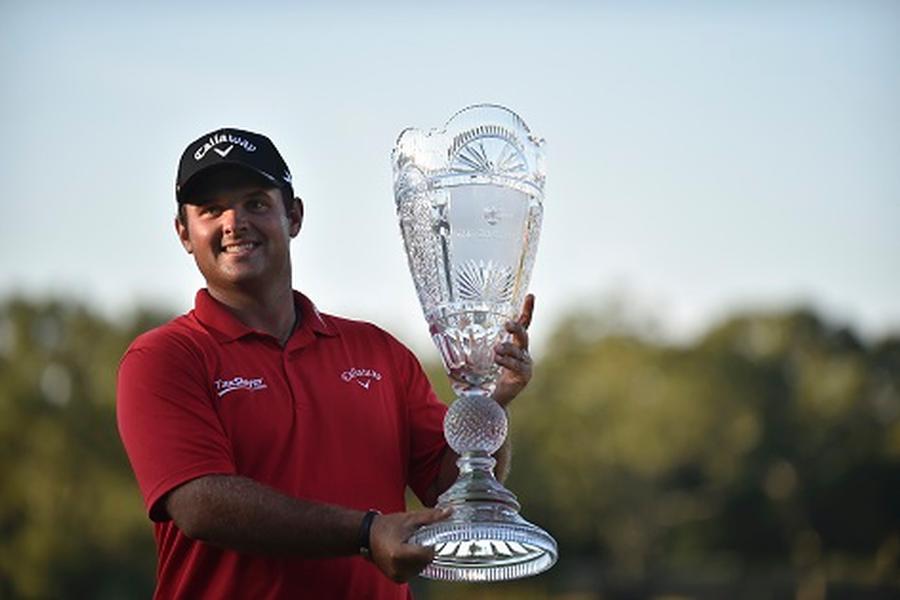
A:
702	157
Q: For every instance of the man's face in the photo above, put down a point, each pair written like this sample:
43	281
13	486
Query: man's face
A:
239	234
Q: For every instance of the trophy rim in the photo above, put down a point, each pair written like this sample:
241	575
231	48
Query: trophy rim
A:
489	105
538	141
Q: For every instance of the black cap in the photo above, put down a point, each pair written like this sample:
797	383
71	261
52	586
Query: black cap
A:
236	147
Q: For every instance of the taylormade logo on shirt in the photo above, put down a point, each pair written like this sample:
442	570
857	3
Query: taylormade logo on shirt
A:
225	386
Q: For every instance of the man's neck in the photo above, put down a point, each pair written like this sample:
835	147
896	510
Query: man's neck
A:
271	311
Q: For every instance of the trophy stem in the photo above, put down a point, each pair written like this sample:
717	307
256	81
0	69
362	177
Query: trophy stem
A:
476	482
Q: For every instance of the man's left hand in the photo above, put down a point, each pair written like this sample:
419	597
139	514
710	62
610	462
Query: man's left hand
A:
513	357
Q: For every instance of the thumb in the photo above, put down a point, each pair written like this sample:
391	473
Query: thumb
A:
433	515
527	311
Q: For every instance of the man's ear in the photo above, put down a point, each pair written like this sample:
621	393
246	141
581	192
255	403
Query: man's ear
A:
182	231
296	217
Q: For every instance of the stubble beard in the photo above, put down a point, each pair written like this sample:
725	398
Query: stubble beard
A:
248	278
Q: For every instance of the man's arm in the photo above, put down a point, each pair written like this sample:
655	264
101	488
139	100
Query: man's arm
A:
240	514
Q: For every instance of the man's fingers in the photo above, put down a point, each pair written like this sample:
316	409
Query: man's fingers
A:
432	515
515	365
511	350
391	551
519	327
415	554
527	311
519	333
410	560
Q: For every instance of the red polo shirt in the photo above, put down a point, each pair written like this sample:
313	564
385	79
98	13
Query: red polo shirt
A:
341	414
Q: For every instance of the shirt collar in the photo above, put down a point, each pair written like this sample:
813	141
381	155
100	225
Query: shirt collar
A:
226	327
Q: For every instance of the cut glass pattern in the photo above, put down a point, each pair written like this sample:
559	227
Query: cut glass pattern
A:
489	150
484	281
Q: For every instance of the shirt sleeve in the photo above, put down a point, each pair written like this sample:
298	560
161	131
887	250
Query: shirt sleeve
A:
425	414
167	420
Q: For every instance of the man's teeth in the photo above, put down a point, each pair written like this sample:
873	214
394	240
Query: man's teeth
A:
240	247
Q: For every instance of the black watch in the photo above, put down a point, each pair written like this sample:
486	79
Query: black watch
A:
364	529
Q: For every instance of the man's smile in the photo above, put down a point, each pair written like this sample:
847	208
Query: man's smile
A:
240	248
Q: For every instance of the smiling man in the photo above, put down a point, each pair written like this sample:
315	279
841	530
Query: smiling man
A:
272	443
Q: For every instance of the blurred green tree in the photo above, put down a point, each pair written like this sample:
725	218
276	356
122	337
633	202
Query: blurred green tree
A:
771	442
71	522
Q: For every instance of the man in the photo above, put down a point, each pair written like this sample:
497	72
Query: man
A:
273	443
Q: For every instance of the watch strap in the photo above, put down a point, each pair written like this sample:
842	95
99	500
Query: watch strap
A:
365	529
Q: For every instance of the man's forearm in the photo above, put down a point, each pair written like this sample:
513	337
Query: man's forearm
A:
241	514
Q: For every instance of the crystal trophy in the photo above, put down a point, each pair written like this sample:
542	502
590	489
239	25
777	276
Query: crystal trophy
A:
470	200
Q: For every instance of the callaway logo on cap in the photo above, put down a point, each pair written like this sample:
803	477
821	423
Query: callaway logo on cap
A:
232	147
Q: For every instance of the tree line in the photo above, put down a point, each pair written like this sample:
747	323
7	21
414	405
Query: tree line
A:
765	452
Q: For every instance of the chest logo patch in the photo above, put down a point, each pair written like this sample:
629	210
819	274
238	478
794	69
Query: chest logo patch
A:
226	386
362	377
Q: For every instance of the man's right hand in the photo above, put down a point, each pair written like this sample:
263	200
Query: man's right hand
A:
391	553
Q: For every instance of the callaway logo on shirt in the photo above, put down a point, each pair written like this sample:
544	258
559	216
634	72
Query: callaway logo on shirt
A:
363	377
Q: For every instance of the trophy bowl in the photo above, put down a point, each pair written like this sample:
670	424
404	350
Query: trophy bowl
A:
469	199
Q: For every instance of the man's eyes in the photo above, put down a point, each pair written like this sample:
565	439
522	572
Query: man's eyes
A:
253	204
257	204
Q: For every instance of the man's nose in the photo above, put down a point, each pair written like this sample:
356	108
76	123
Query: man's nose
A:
234	219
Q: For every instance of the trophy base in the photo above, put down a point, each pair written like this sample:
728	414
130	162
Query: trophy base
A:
486	541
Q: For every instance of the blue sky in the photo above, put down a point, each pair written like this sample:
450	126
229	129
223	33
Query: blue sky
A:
702	156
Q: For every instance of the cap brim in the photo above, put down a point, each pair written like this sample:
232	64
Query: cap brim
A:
184	191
